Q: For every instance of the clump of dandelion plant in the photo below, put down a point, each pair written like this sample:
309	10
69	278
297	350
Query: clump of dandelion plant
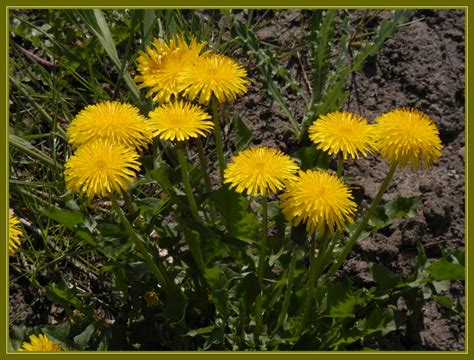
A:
180	121
214	79
405	138
14	234
40	343
343	134
102	168
324	203
260	171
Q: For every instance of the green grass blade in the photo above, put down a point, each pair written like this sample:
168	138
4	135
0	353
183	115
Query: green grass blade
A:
96	21
35	104
29	149
321	36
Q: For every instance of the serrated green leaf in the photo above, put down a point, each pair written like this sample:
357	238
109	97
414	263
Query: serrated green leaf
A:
342	301
397	208
67	218
64	297
444	270
201	331
234	208
384	278
82	340
311	157
161	175
243	133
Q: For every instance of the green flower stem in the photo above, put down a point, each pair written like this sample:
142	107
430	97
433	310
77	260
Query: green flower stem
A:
128	202
340	166
353	239
187	185
207	179
218	138
139	244
261	268
329	252
314	272
289	288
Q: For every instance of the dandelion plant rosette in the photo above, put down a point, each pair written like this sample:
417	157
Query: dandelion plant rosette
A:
318	199
180	121
260	171
110	120
40	343
408	138
14	233
101	167
343	133
161	65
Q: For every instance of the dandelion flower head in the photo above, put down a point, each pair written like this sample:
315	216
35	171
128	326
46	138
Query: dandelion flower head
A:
160	66
14	233
179	121
216	75
40	343
100	167
318	198
111	120
408	137
260	170
343	132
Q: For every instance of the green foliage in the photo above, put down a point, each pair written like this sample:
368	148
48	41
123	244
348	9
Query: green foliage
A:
80	255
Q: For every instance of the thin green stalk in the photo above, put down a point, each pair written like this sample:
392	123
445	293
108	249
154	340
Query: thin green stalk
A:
139	244
289	288
30	150
187	185
207	179
128	202
353	239
261	268
314	272
340	165
218	138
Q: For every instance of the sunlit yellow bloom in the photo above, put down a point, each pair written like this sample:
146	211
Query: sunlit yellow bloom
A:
216	75
318	198
14	233
343	132
100	167
408	137
260	170
109	120
160	66
179	121
40	343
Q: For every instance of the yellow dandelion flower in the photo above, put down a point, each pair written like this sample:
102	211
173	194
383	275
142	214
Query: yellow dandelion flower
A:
343	132
260	170
40	343
14	233
159	66
109	120
100	167
216	75
318	198
179	121
407	137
